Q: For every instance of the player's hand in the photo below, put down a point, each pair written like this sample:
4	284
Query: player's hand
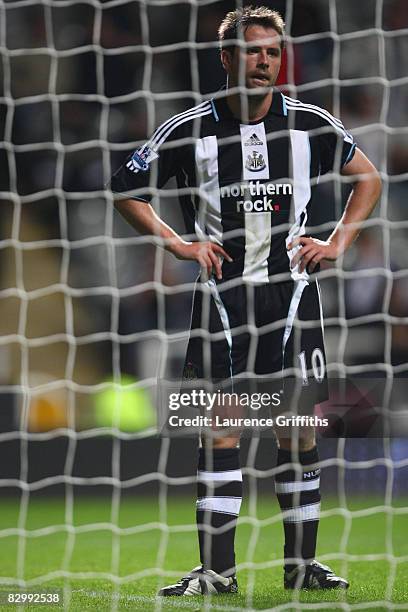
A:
312	252
207	254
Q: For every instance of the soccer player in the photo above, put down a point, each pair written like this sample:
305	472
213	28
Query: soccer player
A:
247	163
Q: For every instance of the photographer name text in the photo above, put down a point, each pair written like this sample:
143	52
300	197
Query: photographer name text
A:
218	421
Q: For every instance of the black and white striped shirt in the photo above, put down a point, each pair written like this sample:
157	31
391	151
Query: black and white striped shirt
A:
246	186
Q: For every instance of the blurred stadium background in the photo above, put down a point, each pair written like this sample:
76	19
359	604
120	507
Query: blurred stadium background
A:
85	303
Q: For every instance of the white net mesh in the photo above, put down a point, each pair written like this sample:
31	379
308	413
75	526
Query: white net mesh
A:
90	309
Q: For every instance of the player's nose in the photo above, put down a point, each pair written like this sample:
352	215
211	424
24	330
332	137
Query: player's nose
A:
263	67
263	59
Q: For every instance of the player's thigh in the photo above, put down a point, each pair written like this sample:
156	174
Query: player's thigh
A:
208	355
309	353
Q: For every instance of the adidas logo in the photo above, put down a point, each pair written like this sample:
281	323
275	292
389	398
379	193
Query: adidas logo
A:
253	140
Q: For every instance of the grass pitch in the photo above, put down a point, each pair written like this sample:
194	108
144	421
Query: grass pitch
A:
374	538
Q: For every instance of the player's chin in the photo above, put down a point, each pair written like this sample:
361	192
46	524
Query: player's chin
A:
259	83
258	89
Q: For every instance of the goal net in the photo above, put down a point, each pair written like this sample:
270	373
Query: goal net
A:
97	506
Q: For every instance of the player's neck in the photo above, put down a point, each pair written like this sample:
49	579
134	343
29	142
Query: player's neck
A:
252	108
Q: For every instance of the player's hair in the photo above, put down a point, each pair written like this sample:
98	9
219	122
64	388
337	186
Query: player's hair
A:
242	18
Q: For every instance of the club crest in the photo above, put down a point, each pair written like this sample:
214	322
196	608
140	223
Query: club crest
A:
255	162
140	159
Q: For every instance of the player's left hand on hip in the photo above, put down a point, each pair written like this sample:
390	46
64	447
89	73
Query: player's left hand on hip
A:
311	253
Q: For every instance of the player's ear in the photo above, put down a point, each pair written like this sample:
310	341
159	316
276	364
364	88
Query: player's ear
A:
226	59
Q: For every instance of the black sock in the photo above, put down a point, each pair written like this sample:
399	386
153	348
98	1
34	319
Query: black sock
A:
299	498
219	496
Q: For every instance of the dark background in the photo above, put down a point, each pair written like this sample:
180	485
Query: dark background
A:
83	299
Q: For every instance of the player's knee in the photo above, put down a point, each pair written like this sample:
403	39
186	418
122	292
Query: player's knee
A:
231	442
303	439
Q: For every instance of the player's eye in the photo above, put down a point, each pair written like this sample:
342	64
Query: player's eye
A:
253	50
274	52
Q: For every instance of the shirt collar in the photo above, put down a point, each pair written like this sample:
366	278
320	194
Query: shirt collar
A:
277	107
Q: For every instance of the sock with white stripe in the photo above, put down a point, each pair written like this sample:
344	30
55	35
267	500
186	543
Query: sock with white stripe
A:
219	496
298	495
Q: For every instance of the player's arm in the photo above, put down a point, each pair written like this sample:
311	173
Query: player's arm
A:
362	200
143	218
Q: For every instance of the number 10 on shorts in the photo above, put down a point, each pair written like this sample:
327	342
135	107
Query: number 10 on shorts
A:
318	366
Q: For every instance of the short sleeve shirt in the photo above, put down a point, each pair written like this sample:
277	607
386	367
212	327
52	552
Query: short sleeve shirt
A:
245	186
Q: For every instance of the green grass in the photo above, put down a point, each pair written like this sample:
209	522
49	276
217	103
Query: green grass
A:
42	553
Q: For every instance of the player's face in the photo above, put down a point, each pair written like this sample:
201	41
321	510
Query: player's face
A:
258	62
